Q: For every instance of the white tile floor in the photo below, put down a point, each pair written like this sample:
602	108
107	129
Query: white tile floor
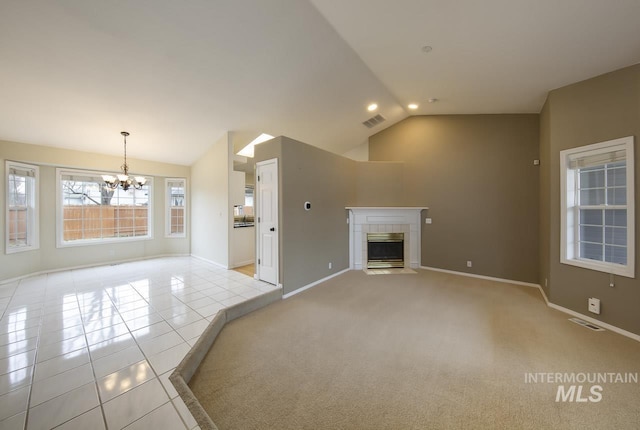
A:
94	348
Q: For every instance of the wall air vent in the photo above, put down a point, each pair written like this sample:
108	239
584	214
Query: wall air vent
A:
586	324
373	121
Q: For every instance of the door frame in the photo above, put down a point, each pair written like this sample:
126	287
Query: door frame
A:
257	197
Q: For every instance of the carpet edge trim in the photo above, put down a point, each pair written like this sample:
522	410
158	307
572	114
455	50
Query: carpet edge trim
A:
187	367
313	284
597	322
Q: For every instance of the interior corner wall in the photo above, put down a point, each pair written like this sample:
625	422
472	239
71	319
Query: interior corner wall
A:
599	109
544	200
476	175
51	258
310	240
313	239
211	216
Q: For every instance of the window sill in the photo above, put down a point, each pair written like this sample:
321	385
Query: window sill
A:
17	250
615	269
90	242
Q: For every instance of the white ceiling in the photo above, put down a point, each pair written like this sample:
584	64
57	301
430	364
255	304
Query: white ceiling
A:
177	75
495	56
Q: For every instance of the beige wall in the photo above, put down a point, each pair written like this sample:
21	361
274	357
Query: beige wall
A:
596	110
310	240
380	183
212	217
48	257
544	203
476	175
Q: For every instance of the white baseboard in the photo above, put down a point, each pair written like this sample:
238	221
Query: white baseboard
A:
488	278
544	295
597	322
222	266
242	263
313	284
87	266
592	320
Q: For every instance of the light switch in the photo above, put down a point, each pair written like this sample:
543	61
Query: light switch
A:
427	220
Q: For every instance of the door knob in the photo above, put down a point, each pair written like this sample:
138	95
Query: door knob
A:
272	229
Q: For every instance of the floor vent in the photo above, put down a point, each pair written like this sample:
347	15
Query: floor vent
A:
586	324
373	121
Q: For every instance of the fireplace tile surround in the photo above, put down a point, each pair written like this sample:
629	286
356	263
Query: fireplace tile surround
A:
363	220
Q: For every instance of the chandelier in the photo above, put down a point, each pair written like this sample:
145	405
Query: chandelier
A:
123	180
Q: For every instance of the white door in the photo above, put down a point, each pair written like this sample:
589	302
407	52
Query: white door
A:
267	227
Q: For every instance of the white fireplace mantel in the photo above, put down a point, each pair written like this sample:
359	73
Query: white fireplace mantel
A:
364	220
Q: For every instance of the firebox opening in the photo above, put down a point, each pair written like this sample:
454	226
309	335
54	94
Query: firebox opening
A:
385	250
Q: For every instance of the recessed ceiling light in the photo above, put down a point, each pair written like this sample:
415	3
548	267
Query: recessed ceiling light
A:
372	107
412	106
433	100
426	49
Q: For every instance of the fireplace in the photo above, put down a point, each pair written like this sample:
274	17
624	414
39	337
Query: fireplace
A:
385	250
363	220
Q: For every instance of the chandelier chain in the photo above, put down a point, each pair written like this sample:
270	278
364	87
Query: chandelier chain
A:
125	167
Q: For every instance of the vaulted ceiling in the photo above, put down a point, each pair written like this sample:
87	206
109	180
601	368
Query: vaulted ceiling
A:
177	75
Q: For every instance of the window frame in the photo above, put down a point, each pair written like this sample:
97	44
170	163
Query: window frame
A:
569	209
33	215
61	243
168	207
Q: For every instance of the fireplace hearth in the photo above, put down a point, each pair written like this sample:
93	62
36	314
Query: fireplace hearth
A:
385	250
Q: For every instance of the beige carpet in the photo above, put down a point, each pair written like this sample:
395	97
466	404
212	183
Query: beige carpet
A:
426	351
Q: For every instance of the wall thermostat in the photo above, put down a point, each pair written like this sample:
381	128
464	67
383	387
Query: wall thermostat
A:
307	206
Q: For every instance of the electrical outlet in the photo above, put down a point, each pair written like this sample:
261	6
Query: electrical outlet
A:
594	305
330	265
469	263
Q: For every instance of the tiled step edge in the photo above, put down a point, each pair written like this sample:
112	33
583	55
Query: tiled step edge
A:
187	368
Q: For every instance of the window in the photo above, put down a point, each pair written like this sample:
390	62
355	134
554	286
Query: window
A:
176	207
243	214
22	207
90	212
597	228
248	195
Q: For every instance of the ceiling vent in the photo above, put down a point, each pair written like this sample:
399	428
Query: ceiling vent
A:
373	121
